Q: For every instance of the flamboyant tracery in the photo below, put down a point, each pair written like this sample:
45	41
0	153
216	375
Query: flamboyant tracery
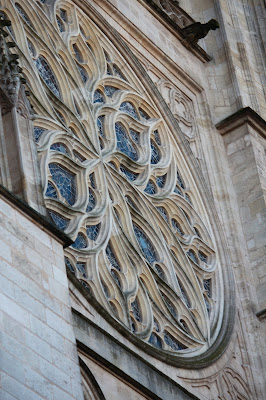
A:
115	180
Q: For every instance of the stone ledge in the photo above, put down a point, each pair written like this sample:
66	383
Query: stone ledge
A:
176	30
244	116
105	350
42	221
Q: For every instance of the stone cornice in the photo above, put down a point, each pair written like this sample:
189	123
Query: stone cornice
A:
34	215
176	30
245	116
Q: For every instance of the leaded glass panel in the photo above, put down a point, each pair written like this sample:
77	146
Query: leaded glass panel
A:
155	153
129	109
140	158
145	244
80	242
47	75
65	181
60	222
93	231
123	142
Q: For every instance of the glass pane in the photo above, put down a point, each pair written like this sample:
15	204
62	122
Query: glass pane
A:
129	109
80	242
59	221
47	74
123	142
145	245
65	181
155	153
93	231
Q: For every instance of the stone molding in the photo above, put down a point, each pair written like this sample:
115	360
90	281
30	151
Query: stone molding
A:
167	20
244	116
105	349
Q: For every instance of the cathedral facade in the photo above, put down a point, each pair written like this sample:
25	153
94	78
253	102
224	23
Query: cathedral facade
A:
132	199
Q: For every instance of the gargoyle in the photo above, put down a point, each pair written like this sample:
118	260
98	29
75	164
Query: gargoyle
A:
197	31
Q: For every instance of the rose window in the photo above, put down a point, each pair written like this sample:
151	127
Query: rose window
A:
115	180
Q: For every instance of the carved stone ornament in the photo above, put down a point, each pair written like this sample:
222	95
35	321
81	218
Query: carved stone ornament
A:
197	31
116	180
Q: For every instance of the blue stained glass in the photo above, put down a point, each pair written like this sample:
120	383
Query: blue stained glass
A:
98	97
156	326
203	257
134	135
69	265
65	181
180	180
132	176
47	74
80	242
23	15
83	74
173	343
155	341
136	310
59	147
129	109
92	180
111	257
93	231
192	255
60	24
159	271
188	199
169	305
184	294
91	202
177	227
157	137
176	190
143	114
160	180
145	244
123	142
207	286
108	70
63	14
116	278
110	90
100	121
155	153
59	221
31	48
38	132
51	191
133	326
82	269
163	213
150	188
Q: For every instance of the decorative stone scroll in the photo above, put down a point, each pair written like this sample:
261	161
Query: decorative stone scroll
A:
115	180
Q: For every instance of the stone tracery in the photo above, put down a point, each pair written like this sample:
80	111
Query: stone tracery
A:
115	181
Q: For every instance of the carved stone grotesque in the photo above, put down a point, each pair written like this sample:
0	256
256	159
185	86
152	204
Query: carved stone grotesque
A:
197	31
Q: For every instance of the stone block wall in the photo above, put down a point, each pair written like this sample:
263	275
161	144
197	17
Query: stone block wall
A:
38	358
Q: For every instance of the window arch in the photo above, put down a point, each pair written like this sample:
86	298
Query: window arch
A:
155	241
